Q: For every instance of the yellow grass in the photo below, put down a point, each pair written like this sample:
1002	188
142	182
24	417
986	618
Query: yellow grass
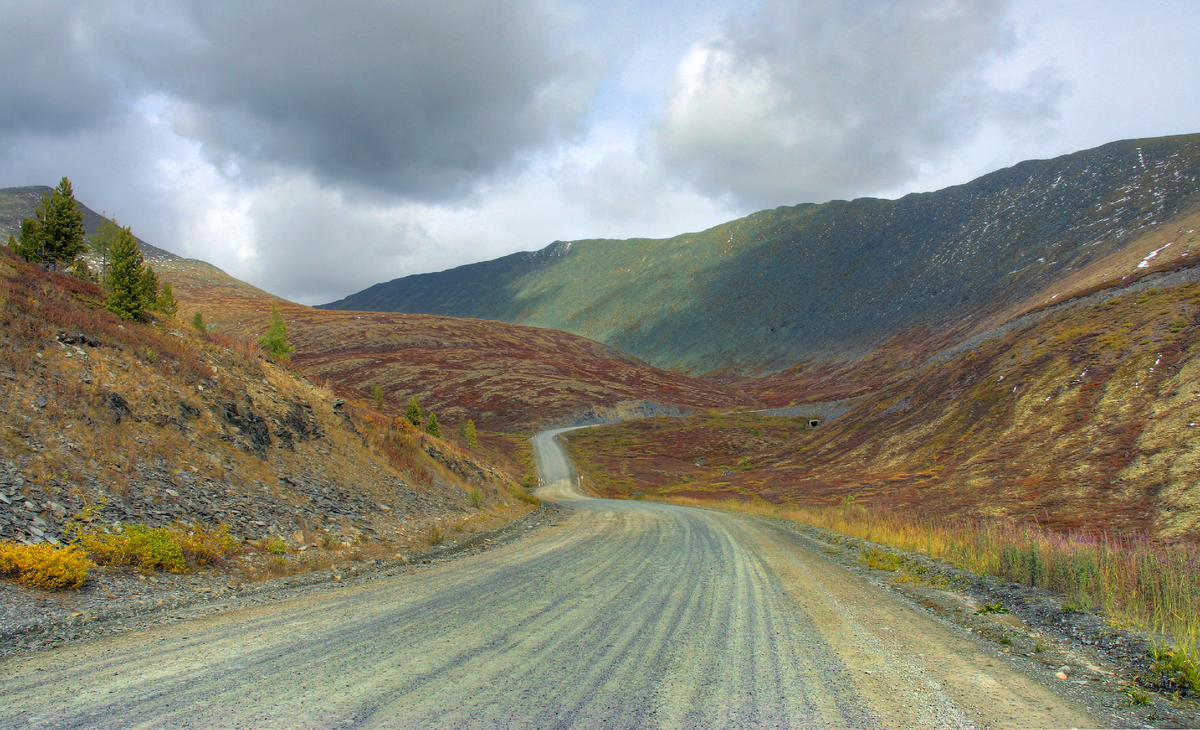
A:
44	566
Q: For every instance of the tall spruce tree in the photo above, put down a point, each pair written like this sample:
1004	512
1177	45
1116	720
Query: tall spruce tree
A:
413	414
126	277
54	236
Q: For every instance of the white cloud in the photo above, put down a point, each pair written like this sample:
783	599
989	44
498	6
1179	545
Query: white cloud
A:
822	99
315	151
410	97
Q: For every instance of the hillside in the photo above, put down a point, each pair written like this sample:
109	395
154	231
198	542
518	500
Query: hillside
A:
151	423
1082	417
502	376
828	283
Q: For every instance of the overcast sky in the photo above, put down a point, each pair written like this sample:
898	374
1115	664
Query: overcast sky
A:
314	149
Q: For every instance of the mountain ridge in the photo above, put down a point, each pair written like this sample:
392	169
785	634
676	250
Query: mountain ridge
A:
16	203
826	282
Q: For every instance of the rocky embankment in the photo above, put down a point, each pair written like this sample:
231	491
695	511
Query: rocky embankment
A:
32	513
105	422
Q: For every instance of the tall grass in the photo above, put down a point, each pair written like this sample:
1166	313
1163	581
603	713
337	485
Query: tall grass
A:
1132	580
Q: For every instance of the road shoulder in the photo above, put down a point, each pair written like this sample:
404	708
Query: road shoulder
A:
116	601
1073	656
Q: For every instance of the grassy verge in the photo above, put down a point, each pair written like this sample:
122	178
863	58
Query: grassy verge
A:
1136	583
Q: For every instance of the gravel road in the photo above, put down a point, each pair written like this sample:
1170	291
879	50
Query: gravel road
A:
619	614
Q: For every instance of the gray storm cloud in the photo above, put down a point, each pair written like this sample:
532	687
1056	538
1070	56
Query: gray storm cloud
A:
835	98
53	80
421	99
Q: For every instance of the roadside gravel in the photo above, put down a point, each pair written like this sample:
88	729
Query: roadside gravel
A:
620	615
116	600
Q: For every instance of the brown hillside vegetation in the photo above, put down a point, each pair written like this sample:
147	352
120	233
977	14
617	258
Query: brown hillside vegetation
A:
503	376
108	421
1080	417
1157	251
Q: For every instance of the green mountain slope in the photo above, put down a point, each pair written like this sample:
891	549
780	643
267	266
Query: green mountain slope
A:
830	281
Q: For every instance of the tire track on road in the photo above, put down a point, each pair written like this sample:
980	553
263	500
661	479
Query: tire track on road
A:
625	615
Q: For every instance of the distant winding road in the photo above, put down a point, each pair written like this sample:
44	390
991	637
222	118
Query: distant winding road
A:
622	615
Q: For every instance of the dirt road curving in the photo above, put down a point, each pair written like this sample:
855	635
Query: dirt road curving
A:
621	614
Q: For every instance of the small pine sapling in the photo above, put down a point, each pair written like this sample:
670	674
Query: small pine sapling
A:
431	427
414	414
166	303
275	341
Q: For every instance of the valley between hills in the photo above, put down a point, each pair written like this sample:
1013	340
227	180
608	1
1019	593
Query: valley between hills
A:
1019	352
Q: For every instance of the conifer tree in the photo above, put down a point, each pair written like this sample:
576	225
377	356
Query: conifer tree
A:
167	303
149	288
431	427
126	278
275	342
101	243
377	395
472	439
198	322
413	414
29	244
54	236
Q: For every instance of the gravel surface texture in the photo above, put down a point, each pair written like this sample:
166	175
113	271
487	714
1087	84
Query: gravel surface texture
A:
615	614
121	600
606	614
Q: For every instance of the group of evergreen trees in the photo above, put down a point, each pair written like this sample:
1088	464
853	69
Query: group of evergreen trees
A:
54	237
415	414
